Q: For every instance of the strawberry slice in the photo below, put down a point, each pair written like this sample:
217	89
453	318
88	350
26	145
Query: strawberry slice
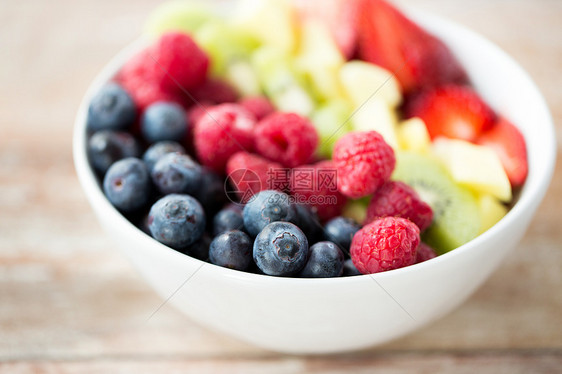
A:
339	15
509	144
452	111
419	60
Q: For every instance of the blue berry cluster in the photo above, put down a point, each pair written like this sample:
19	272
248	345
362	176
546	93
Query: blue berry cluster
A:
148	172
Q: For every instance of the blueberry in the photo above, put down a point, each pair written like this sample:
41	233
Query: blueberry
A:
211	193
112	108
177	173
235	206
325	260
163	121
307	220
266	207
340	230
349	268
157	150
281	249
177	221
199	249
231	249
106	147
127	184
227	219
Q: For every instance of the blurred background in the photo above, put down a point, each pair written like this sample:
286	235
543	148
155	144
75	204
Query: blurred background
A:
69	302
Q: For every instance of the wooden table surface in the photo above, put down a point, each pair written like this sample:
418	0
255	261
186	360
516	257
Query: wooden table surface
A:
71	303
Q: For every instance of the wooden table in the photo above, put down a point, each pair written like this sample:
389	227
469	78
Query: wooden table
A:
70	303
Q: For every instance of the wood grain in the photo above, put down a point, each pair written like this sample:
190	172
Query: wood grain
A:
387	364
70	303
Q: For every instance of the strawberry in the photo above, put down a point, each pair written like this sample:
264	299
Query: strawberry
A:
389	39
452	111
509	144
339	15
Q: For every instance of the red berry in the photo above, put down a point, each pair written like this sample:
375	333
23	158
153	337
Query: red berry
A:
418	59
223	131
286	138
145	94
176	60
364	162
508	142
250	174
197	111
452	111
143	91
193	115
215	91
316	186
424	253
397	199
260	106
164	70
385	244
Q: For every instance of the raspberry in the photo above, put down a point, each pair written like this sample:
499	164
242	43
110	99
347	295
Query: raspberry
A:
145	94
195	113
215	91
147	75
250	174
397	199
424	253
286	138
177	60
316	186
385	244
260	106
144	91
225	130
364	162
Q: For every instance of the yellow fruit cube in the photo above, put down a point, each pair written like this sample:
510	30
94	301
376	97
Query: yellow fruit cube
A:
363	81
319	60
491	211
474	166
274	22
376	115
413	135
243	78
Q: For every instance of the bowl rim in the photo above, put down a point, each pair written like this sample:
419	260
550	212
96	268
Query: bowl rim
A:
533	189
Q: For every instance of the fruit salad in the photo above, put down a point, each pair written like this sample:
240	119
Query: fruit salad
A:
301	138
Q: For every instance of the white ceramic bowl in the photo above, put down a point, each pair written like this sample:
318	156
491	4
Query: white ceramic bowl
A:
333	315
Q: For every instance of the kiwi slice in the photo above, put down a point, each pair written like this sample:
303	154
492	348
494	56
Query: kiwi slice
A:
456	218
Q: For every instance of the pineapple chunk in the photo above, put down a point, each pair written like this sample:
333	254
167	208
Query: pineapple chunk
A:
376	115
281	82
413	135
474	166
243	78
320	60
491	211
294	99
273	22
361	80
